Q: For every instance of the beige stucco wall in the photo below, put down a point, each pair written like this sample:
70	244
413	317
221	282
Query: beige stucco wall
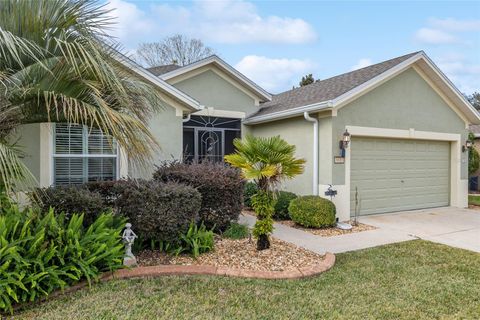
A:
404	102
299	132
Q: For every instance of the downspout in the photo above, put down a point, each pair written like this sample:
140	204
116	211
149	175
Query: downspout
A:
187	118
315	151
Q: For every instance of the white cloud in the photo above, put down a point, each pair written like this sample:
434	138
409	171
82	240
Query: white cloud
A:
274	75
435	36
451	24
362	63
129	20
228	21
460	70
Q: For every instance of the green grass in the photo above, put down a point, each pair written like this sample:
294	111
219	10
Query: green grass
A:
475	200
410	280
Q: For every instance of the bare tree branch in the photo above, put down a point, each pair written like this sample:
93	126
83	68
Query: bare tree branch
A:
177	49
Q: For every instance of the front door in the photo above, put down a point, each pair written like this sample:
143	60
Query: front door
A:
209	138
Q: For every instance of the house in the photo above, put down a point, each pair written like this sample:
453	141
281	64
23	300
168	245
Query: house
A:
387	137
474	180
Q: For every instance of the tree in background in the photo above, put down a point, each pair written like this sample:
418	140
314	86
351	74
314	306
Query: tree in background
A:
474	99
177	49
56	66
307	79
473	156
266	161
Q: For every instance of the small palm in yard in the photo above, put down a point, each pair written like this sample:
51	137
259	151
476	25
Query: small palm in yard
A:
57	65
266	161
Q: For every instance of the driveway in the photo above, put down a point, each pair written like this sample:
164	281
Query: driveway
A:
451	226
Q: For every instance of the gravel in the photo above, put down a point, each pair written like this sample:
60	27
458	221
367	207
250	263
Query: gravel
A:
329	232
240	254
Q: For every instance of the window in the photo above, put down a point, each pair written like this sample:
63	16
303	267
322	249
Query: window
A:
211	138
83	154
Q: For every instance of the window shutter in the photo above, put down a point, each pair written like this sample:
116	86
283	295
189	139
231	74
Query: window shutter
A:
83	154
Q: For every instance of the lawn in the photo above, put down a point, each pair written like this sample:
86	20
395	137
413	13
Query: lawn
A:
410	280
474	200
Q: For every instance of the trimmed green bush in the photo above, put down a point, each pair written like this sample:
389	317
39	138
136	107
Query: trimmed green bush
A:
40	253
221	188
236	231
312	212
249	191
70	200
281	205
158	211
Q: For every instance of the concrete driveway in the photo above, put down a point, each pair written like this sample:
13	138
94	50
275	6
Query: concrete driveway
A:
451	226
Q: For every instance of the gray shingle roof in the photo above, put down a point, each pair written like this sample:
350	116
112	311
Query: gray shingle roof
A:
159	70
475	128
327	89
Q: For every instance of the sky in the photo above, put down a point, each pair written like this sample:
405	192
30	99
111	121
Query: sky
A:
275	43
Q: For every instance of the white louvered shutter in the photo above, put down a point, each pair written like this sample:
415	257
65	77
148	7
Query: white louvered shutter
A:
83	154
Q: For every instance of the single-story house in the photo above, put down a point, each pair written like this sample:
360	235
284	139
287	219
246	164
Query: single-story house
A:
387	137
474	177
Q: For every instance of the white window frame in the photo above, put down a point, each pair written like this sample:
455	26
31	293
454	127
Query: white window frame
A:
85	154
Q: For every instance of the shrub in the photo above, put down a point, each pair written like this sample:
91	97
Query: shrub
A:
312	211
41	253
221	188
158	211
281	205
196	240
70	200
248	192
236	231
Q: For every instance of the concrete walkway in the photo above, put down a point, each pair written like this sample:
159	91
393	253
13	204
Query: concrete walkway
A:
451	226
455	227
335	244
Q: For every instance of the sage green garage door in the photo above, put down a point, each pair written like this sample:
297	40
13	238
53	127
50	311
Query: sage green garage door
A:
395	175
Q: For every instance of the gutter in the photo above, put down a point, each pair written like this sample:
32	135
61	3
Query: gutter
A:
315	151
325	105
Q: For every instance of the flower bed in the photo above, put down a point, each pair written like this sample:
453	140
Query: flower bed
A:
240	254
329	232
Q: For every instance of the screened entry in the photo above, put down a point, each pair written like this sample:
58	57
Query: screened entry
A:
209	138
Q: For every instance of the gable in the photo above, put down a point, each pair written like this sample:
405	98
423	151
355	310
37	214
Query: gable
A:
403	102
213	89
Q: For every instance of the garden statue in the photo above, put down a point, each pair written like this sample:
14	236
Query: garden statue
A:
128	238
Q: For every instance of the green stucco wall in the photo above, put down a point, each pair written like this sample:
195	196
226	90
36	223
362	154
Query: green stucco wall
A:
299	132
211	90
403	102
167	128
28	140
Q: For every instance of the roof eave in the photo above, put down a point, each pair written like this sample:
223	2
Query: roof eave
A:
321	106
186	100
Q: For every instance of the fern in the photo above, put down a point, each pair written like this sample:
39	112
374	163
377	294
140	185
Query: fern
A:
40	253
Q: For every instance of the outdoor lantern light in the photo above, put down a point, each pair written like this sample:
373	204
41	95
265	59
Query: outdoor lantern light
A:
344	143
346	139
468	145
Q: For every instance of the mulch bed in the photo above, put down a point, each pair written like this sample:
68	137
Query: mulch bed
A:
325	232
240	254
329	232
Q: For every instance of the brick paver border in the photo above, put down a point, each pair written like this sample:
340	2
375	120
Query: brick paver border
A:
168	270
163	270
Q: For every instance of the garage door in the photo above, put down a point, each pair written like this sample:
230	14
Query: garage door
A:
394	175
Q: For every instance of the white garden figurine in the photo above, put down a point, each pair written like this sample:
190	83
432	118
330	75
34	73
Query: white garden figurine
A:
128	238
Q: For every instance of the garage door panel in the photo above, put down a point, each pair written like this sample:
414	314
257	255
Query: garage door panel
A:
394	175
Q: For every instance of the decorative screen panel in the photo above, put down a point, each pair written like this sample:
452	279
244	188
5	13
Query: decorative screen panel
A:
83	154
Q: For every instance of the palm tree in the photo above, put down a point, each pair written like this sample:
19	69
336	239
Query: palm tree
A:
266	161
57	64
